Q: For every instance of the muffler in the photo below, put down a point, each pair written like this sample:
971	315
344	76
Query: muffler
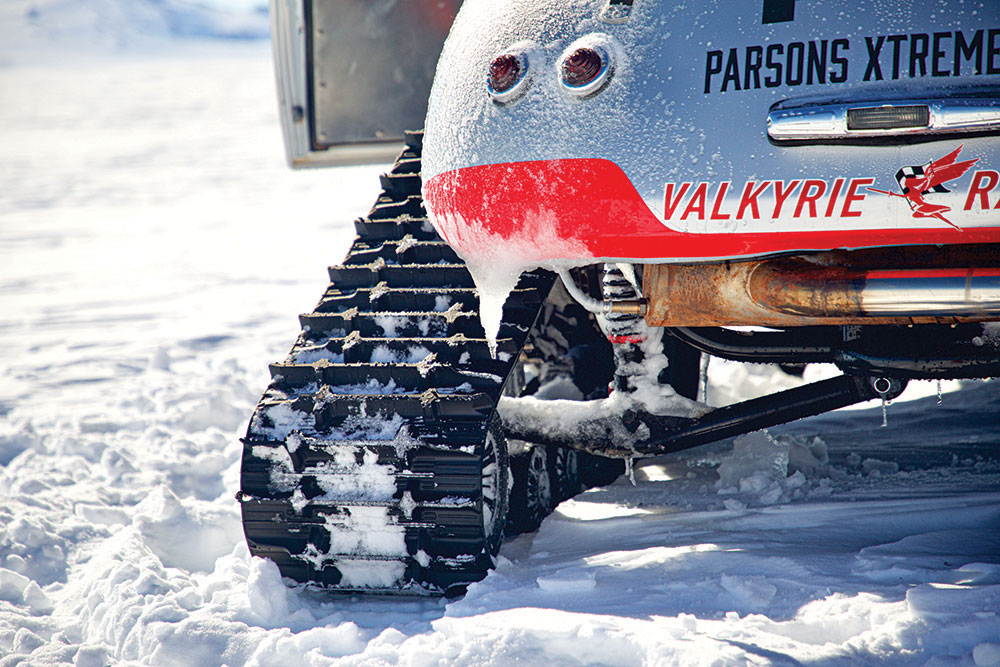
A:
910	285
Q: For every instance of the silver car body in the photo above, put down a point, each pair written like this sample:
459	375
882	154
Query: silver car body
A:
694	86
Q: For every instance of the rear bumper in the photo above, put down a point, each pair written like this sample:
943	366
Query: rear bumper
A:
586	209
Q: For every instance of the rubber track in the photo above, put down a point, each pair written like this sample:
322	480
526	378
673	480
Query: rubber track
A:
366	450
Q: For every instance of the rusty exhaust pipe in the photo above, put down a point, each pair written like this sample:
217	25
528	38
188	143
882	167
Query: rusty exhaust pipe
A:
918	285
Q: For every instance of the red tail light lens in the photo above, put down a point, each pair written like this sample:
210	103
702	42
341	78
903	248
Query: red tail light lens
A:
582	67
505	72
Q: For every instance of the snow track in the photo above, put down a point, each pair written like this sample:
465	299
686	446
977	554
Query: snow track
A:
142	292
348	458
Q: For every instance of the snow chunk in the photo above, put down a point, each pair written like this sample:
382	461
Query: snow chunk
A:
169	529
809	458
347	478
14	439
12	585
283	420
986	654
310	355
758	465
383	355
36	599
91	655
370	574
753	592
362	531
266	593
991	335
734	505
878	467
570	581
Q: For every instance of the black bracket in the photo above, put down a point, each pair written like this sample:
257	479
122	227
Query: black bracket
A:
778	11
638	433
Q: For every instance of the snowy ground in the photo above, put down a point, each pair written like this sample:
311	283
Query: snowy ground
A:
155	253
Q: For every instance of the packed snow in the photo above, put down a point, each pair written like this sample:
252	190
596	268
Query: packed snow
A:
155	253
54	31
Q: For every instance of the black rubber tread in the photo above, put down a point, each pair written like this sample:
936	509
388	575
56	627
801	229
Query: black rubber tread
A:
406	251
417	299
400	294
400	275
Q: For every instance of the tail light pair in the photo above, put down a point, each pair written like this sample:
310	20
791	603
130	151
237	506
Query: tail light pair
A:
583	72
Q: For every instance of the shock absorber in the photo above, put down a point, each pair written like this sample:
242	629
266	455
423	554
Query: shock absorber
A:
637	348
626	329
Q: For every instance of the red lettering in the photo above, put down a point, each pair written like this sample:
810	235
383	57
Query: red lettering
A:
670	205
853	196
720	196
749	199
832	201
781	194
697	203
807	198
982	183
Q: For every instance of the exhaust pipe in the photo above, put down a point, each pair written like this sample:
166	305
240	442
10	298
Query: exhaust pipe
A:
916	285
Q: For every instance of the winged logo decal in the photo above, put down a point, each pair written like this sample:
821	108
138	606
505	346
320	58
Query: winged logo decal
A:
919	180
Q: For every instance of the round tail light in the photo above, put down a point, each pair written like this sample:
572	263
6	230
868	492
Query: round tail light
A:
585	70
581	67
506	73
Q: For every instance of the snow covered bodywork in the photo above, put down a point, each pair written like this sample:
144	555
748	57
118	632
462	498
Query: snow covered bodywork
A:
716	131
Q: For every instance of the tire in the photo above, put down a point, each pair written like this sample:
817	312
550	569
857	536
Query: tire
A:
564	473
493	497
531	497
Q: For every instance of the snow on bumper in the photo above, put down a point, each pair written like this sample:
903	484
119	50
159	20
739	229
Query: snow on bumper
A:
584	209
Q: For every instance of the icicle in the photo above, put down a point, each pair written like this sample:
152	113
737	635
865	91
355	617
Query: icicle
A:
885	413
703	388
939	392
630	469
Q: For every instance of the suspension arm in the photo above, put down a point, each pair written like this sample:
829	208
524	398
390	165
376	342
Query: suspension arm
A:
612	432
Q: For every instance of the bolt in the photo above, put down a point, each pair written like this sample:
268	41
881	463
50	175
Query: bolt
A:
882	386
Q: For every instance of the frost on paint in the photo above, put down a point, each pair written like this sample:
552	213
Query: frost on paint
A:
550	125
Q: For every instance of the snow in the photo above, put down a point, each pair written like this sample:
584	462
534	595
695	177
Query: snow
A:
496	264
155	253
53	30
